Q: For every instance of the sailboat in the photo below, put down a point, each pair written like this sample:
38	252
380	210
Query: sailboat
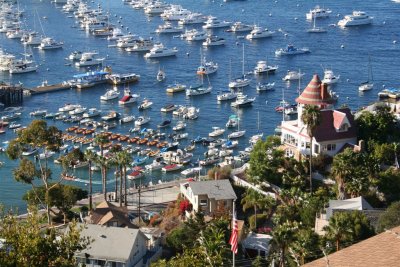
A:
316	29
242	81
206	67
23	66
368	85
199	89
254	139
237	134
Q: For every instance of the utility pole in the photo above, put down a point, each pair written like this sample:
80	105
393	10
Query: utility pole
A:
140	186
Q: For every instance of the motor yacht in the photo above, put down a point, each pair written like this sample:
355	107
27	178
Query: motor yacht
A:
232	122
143	45
227	95
242	101
112	115
262	67
142	120
49	43
168	108
175	13
329	77
127	119
214	41
77	111
128	97
207	68
161	75
291	50
180	125
32	39
240	27
123	78
357	18
175	88
127	41
146	104
92	112
160	51
259	32
75	55
24	66
198	90
214	22
194	18
293	75
115	34
111	94
318	12
68	107
168	28
265	86
195	35
217	131
155	8
88	59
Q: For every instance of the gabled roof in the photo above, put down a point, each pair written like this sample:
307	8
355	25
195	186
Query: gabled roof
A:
106	212
338	118
216	189
111	243
380	250
358	203
326	130
316	93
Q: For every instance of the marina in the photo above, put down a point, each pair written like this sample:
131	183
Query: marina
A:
58	75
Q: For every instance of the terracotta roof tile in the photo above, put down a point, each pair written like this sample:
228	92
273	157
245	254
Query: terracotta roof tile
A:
315	93
382	250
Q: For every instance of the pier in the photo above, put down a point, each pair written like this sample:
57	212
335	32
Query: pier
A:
45	88
11	94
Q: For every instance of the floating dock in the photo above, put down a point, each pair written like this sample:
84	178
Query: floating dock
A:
42	89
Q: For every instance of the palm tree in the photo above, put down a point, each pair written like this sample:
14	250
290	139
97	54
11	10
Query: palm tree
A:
254	199
104	164
213	245
282	237
311	117
90	156
125	159
339	228
101	139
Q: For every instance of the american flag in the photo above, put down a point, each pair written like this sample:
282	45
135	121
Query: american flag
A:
233	241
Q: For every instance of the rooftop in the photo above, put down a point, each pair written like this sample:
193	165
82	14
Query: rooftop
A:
216	189
316	93
380	250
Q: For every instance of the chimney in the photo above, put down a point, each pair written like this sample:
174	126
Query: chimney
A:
324	91
361	146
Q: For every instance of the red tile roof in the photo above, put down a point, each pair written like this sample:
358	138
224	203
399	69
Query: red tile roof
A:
338	118
382	250
315	93
326	130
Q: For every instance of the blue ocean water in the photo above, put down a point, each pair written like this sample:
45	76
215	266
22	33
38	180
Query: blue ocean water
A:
285	17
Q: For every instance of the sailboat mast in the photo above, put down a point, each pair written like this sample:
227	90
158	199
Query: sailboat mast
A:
243	61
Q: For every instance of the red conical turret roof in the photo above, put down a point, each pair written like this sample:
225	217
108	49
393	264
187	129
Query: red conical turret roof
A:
316	93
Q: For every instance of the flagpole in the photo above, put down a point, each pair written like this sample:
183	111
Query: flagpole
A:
233	218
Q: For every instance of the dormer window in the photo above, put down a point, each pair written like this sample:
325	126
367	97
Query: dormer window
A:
344	127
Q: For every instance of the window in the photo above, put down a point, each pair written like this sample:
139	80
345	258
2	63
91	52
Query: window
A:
316	148
203	202
344	127
331	147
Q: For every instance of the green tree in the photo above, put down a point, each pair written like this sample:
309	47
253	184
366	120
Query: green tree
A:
256	200
124	159
266	159
388	183
213	245
36	135
390	218
305	245
190	257
28	244
90	157
282	237
104	163
311	117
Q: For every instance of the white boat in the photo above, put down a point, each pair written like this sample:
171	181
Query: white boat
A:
172	167
127	119
329	77
214	41
77	111
160	75
232	122
265	86
242	101
318	12
32	39
160	51
192	171
214	22
155	8
227	95
291	50
181	136
240	27
293	75
68	107
242	81
111	94
24	66
357	18
88	59
194	18
38	112
369	84
112	115
14	125
154	166
175	88
115	35
75	55
123	78
168	108
142	45
146	104
128	97
206	68
46	155
198	90
316	29
49	43
92	112
175	13
195	35
262	67
259	32
142	120
127	41
217	131
29	152
168	28
180	125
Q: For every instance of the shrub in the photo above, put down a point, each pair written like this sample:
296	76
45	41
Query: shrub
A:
261	220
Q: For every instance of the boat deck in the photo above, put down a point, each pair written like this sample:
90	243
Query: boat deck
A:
49	88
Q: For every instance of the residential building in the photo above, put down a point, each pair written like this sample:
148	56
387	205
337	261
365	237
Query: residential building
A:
352	204
336	130
380	250
108	214
113	247
209	197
